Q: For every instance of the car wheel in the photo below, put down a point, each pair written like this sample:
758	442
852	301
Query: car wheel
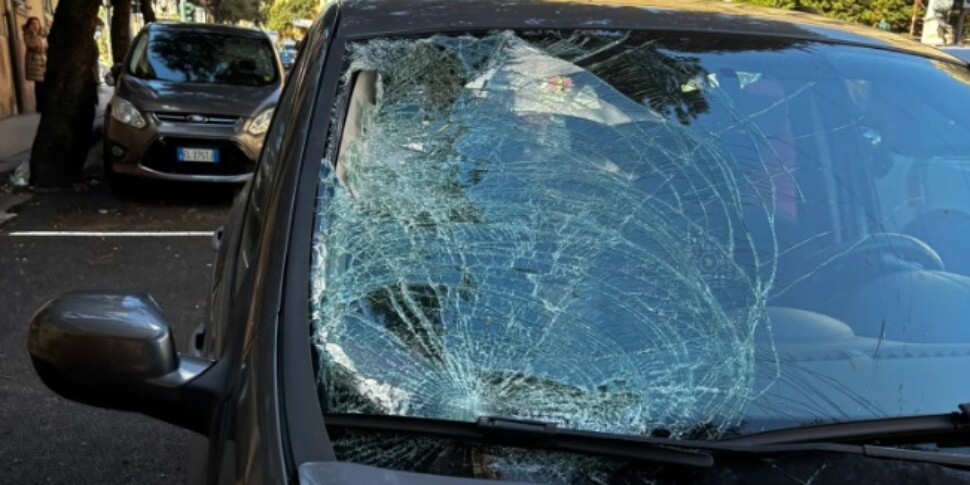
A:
121	185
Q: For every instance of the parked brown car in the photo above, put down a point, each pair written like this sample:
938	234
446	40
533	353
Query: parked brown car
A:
192	102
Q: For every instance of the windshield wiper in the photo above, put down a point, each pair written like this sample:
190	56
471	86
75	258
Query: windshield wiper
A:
949	428
840	438
531	434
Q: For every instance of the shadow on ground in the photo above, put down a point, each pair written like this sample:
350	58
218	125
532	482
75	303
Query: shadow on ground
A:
173	193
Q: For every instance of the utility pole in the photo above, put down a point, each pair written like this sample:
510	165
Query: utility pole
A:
912	22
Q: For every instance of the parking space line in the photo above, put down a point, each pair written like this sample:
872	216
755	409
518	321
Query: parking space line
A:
110	234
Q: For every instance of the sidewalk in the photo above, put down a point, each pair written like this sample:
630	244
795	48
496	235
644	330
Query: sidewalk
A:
16	137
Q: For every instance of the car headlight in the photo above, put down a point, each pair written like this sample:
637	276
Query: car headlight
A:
260	123
126	113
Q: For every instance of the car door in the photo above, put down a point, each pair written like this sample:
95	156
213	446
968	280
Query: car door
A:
229	333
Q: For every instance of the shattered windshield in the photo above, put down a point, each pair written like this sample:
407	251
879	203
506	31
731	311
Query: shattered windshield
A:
642	234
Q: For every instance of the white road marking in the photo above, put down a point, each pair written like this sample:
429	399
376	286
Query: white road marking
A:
111	234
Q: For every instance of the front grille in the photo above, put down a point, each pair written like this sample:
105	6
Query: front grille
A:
161	156
199	119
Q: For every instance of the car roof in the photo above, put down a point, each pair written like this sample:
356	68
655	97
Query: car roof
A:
960	52
208	28
369	18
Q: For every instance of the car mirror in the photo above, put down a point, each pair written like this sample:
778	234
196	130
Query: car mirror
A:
116	350
112	76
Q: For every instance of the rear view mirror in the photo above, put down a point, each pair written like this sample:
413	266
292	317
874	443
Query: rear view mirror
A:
116	350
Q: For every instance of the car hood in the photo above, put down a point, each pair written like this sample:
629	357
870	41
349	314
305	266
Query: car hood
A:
211	99
336	473
830	468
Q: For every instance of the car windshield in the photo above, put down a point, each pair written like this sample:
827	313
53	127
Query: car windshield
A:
643	234
204	57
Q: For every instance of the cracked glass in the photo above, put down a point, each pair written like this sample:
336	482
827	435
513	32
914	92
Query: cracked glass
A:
641	233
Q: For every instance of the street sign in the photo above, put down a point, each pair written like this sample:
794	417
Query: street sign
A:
186	11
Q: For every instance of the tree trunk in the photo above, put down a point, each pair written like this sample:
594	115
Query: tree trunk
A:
211	8
147	11
120	29
64	135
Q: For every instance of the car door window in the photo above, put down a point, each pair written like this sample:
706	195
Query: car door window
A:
264	178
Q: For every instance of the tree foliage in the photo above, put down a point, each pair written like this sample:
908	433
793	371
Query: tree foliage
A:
282	12
233	11
867	12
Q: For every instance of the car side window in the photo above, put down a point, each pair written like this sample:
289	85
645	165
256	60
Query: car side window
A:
138	59
264	177
260	186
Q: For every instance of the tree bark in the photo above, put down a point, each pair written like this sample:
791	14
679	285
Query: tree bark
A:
64	135
211	9
147	11
120	29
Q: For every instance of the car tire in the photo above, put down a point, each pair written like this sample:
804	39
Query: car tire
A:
121	185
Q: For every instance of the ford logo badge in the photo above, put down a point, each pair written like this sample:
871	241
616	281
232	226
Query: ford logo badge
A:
198	119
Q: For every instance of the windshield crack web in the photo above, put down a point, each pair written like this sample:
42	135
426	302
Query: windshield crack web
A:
527	228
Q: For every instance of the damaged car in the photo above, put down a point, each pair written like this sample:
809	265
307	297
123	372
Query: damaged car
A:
574	242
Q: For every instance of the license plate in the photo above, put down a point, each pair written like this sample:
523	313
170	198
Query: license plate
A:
206	155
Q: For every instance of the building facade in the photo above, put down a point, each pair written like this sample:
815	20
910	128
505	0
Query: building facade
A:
16	93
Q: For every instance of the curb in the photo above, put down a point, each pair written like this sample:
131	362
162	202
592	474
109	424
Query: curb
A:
8	165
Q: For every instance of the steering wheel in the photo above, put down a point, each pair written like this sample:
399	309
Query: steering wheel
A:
947	231
849	266
891	248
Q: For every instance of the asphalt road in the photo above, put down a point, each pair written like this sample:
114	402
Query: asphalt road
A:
44	438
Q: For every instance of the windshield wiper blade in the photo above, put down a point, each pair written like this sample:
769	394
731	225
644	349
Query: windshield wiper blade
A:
531	434
547	436
939	428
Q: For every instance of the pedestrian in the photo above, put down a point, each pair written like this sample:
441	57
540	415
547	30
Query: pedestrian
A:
35	63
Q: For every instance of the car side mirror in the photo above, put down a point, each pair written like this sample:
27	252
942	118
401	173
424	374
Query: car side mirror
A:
115	350
112	76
